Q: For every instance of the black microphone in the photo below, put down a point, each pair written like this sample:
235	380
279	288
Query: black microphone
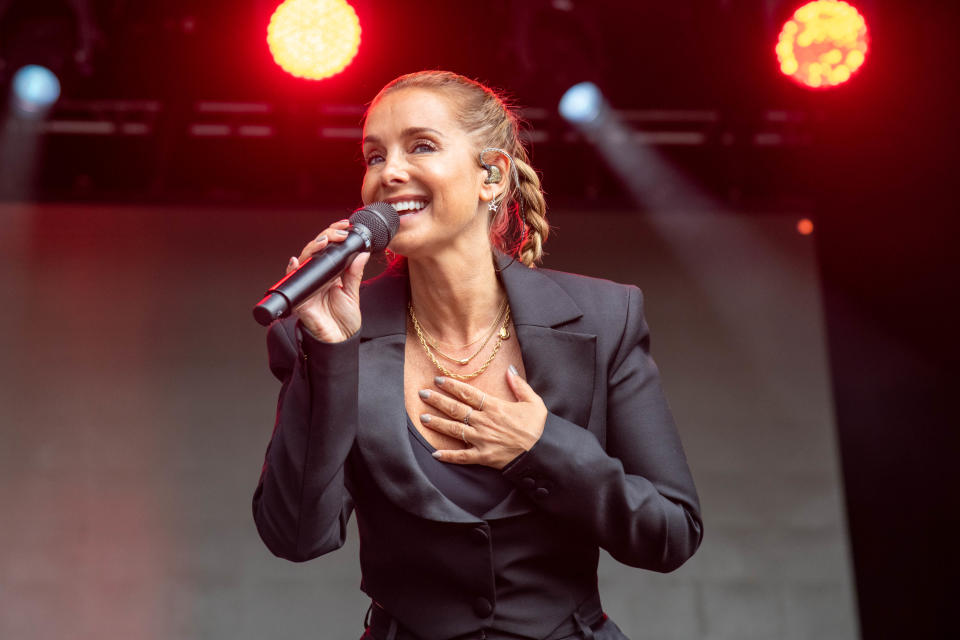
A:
373	226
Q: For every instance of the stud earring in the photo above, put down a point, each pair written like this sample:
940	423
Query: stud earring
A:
493	174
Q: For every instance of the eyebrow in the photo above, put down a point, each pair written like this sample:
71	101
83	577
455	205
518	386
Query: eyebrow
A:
406	133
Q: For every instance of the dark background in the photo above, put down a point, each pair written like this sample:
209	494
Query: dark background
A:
872	163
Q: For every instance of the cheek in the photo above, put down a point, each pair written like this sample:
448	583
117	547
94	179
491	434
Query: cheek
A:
367	188
458	183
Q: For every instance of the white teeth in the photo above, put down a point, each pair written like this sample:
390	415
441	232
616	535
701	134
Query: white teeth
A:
409	205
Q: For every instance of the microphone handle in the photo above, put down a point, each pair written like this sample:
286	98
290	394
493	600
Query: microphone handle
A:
315	271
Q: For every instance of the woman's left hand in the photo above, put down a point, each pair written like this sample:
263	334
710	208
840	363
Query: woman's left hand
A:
496	430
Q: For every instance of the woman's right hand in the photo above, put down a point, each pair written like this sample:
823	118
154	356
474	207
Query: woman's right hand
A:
332	313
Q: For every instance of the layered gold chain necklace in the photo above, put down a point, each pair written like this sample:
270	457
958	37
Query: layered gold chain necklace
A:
429	343
489	333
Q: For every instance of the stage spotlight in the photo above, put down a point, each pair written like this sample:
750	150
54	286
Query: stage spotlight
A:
314	39
581	103
823	44
35	89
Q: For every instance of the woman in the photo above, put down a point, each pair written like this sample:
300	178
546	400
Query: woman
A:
492	424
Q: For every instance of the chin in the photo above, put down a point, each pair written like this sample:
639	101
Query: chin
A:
405	244
413	246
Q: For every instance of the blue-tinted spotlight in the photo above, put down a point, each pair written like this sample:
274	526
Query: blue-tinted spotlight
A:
581	103
35	88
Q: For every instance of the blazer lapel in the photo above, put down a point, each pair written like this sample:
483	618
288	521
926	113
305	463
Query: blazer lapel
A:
382	433
559	362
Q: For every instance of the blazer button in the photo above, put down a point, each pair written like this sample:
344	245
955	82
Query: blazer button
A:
480	535
482	607
541	493
528	482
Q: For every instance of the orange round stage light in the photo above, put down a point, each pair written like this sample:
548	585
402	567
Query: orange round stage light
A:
314	39
805	226
823	44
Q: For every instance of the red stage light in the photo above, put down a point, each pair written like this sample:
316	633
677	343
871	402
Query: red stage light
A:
805	226
314	39
823	44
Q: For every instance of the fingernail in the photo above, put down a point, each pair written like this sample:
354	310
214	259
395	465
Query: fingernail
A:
513	370
424	393
439	380
342	232
425	418
321	238
437	454
290	261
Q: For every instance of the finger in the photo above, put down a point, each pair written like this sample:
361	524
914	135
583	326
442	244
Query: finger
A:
353	276
521	390
453	428
466	393
441	424
314	246
458	456
292	264
453	408
324	236
338	231
338	235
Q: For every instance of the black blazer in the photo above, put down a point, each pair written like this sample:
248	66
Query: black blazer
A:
608	470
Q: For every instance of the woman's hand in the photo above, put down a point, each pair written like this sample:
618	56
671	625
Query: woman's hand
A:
496	430
332	313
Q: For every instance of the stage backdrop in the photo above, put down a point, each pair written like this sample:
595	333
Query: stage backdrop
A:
136	404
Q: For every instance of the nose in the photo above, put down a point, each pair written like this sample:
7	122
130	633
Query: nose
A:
395	170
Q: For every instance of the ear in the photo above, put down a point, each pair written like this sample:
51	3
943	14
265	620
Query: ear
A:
490	187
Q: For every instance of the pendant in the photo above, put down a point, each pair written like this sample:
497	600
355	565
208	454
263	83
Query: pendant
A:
504	334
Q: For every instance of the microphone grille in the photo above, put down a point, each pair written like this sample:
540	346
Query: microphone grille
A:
381	219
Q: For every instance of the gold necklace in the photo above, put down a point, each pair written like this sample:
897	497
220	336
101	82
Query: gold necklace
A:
502	335
433	341
492	330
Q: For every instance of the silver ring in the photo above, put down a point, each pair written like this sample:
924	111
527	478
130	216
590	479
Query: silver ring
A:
463	437
466	418
483	399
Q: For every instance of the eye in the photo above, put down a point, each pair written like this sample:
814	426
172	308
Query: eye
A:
372	159
424	146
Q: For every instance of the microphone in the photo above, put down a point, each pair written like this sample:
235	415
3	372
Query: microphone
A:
373	226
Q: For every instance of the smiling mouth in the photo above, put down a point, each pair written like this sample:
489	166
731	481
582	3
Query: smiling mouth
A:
409	207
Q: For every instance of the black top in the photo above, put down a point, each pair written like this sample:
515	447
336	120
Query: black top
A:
474	488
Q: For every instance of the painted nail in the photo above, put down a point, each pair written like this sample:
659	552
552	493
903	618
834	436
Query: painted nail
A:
342	233
439	380
321	238
437	455
424	393
290	261
513	370
425	418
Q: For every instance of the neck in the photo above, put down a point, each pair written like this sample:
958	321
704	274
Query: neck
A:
456	296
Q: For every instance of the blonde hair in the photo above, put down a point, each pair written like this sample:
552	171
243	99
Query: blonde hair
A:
519	228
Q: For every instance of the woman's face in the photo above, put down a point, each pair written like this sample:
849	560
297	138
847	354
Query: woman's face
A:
419	159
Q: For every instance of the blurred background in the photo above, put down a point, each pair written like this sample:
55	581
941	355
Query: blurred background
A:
777	176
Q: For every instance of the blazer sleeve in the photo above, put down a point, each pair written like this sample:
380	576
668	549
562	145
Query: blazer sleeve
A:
302	504
636	498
